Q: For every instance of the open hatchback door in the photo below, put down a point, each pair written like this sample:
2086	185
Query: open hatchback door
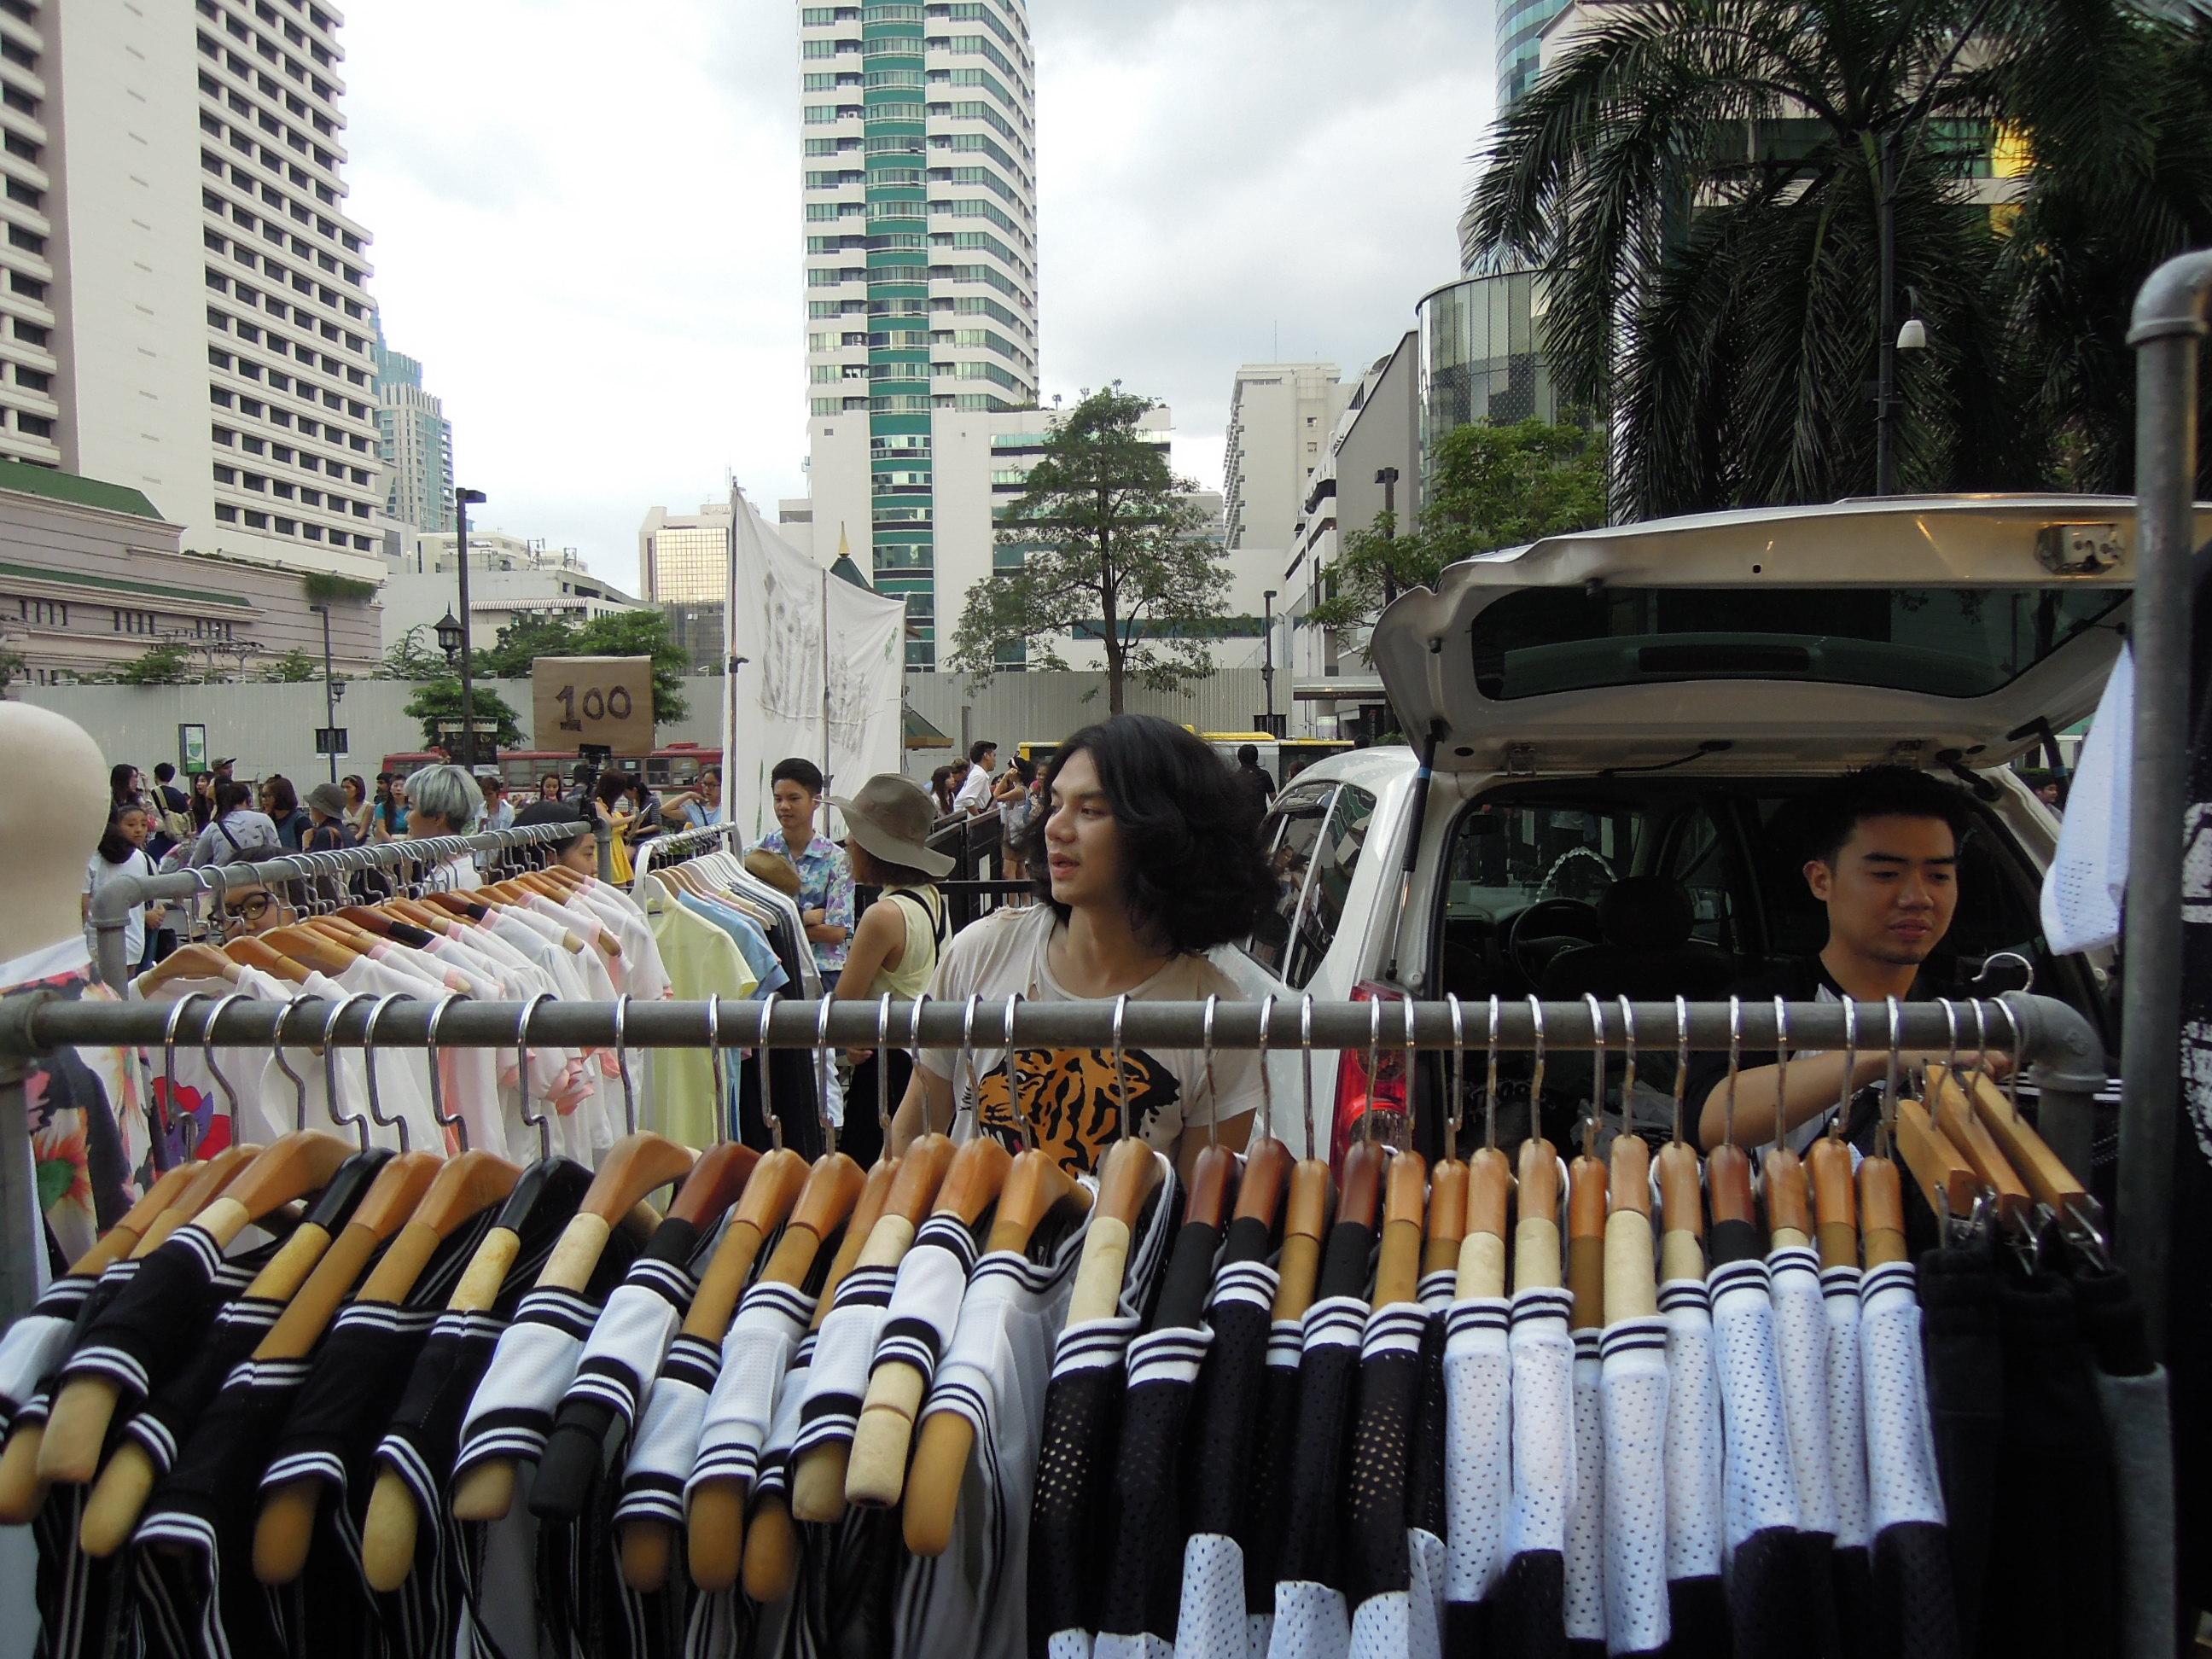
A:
1916	629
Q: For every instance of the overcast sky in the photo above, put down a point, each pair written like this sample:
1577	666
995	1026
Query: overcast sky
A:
586	221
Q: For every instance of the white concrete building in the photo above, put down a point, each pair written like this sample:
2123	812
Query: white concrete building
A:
683	558
920	194
1280	415
414	440
508	577
184	302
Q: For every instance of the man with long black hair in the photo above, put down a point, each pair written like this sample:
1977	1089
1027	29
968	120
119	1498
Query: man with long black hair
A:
1147	855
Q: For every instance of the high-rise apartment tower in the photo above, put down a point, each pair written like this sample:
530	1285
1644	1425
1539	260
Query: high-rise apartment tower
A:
919	135
416	442
184	302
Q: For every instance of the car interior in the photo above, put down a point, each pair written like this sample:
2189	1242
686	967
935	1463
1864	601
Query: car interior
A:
1652	888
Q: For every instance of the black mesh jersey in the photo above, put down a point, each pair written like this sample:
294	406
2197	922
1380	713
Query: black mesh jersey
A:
1223	1451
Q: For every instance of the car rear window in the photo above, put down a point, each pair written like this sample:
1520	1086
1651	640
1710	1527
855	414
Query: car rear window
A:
1945	642
1313	834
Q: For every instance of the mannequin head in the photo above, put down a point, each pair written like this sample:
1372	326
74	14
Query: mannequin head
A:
50	832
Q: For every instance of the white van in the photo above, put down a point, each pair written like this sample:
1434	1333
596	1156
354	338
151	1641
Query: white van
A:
1621	721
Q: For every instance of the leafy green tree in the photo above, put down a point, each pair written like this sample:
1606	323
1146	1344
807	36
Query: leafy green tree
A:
1702	182
415	658
294	668
618	633
1493	487
441	700
168	663
1110	551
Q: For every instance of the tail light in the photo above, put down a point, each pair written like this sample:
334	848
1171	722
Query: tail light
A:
1384	1094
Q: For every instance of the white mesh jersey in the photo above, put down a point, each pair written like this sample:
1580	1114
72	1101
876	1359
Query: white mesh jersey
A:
1801	1336
971	1602
1759	1490
1531	1600
1633	1393
1478	1460
1586	1515
756	1354
512	1411
1694	1457
1914	1610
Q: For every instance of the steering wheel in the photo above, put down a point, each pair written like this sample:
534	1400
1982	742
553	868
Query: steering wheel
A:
1571	917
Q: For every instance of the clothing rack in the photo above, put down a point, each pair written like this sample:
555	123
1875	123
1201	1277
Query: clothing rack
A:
111	907
2169	329
678	842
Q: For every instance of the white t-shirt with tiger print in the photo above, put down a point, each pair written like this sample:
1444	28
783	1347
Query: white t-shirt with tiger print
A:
1071	1096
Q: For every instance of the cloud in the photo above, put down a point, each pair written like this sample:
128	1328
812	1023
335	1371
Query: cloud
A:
591	235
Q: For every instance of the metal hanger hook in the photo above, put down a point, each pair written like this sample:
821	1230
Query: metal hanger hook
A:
1627	1061
1266	1080
968	1063
357	1121
1305	1048
1536	1073
1014	1078
453	1123
1490	1084
368	1065
540	1121
1681	1061
1120	1064
169	1079
822	1071
1734	1065
276	1054
767	1100
207	1054
1458	1072
1850	1067
622	1063
1205	1037
1597	1057
883	1068
1781	1049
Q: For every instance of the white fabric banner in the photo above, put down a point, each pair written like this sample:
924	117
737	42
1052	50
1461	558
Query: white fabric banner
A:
819	658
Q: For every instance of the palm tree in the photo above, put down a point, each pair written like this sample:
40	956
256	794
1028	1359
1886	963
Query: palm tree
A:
1704	181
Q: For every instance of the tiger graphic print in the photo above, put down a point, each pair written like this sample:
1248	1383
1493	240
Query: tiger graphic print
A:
1074	1102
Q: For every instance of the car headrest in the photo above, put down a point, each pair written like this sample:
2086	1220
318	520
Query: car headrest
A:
1645	913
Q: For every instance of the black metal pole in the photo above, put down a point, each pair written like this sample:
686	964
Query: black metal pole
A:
1267	660
1885	392
330	698
468	756
1388	478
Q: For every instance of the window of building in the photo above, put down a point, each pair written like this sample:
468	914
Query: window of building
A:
29	333
29	196
35	379
29	241
34	426
31	288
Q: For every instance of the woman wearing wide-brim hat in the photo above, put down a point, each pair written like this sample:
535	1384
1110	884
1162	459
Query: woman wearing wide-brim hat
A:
894	948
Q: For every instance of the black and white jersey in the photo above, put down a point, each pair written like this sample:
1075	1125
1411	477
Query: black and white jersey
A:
1477	1466
1268	1507
1143	1594
1914	1610
1696	1607
844	1348
756	1352
1531	1606
925	1302
1379	1514
151	1327
1427	1502
34	1346
1767	1590
614	1374
1312	1617
1850	1569
1211	1616
1070	1514
1632	1394
971	1602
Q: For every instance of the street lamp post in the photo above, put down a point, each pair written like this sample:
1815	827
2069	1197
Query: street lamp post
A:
1388	478
329	691
1267	660
463	500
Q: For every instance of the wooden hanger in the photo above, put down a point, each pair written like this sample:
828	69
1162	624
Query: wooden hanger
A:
318	951
647	1545
254	953
2043	1172
1631	1285
1835	1203
714	1509
1969	1131
461	1189
195	961
1944	1176
634	1166
1536	1254
771	1563
1265	1179
1448	1183
367	917
289	1168
818	1481
1035	1188
876	1477
1405	1206
1586	1232
1788	1201
311	1274
1881	1211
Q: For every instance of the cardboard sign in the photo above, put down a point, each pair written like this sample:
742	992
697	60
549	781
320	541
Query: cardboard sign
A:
579	701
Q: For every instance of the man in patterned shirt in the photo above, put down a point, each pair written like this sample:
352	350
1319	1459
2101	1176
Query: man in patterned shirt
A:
825	878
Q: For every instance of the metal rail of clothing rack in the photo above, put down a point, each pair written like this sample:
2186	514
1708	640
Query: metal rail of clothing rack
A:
2169	326
111	907
675	842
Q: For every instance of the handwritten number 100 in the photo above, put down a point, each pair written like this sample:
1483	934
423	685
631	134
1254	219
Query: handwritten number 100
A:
597	706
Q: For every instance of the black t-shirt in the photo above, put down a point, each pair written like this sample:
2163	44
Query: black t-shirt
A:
1805	979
